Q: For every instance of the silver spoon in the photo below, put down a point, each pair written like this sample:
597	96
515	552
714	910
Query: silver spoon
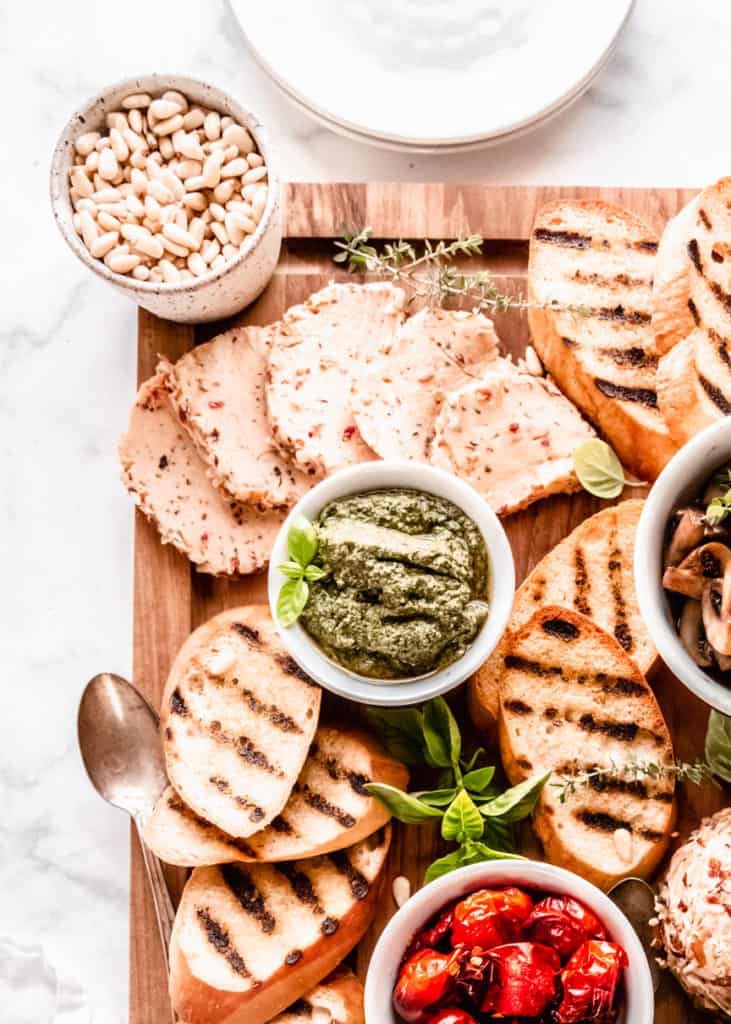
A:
121	749
637	901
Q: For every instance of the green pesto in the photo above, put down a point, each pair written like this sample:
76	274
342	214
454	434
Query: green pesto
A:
407	584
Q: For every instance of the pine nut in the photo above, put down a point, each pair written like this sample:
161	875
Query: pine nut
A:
230	153
136	101
81	183
166	148
181	219
218	262
115	209
107	195
173	247
196	264
92	162
401	888
103	244
152	207
255	160
168	126
217	211
160	192
212	125
151	225
141	273
119	146
194	201
163	110
139	158
234	230
212	170
117	120
190	146
108	166
235	168
258	204
122	263
188	168
223	192
170	273
255	174
133	140
220	232
134	205
156	275
235	135
86	204
89	230
86	143
108	222
180	236
173	96
198	230
135	121
210	249
193	119
230	251
172	182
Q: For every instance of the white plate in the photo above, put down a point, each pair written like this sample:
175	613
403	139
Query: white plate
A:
432	75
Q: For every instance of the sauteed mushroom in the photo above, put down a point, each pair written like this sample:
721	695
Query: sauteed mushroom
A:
693	634
704	563
689	532
717	616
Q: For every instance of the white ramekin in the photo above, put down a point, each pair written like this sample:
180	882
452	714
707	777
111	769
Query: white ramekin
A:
219	293
678	483
639	1001
373	476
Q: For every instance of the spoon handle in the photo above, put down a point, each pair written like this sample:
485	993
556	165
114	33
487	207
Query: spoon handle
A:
160	895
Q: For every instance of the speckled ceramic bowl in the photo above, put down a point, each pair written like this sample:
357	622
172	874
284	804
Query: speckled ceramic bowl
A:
214	295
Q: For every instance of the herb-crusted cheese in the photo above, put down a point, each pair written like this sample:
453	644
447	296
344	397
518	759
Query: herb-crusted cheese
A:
406	590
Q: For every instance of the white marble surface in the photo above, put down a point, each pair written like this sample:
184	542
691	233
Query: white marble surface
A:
658	115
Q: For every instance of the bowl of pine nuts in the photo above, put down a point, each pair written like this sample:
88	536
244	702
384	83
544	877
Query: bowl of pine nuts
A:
164	186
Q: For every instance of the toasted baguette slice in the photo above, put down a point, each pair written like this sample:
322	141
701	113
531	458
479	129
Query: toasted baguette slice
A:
672	319
686	406
340	995
250	940
571	701
238	717
328	809
588	253
590	571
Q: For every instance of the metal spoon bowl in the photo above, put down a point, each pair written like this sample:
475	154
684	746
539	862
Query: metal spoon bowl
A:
121	749
636	899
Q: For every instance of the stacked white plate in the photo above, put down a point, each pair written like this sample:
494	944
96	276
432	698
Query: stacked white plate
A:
432	76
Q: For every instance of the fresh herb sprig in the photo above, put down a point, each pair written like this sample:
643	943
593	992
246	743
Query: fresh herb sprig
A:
696	772
430	275
302	544
718	745
599	470
720	506
474	812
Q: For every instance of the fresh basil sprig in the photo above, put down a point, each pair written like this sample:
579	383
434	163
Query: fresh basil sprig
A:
718	745
599	470
474	812
300	572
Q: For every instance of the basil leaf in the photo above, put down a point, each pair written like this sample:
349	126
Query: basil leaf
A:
443	865
518	802
598	469
481	851
473	760
499	834
718	745
437	797
291	601
403	806
462	820
314	572
292	570
441	734
400	730
302	541
478	780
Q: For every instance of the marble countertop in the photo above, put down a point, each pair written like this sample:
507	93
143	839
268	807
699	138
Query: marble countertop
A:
656	116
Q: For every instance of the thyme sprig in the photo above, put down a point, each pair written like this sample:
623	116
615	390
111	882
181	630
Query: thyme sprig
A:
695	772
431	276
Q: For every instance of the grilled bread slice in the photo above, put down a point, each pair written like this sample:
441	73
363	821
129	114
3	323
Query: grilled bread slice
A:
336	1000
590	254
218	392
590	571
167	479
328	810
572	701
238	717
250	940
672	309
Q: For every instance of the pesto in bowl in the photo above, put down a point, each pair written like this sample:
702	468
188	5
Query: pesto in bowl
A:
406	587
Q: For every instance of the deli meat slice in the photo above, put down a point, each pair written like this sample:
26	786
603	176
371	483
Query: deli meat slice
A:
167	480
510	435
398	395
218	390
313	361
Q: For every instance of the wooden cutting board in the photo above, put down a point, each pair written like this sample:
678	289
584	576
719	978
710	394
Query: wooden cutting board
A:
171	598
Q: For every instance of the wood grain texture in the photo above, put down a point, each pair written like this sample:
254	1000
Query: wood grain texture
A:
171	598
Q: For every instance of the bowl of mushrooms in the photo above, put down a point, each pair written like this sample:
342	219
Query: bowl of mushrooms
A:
165	187
683	565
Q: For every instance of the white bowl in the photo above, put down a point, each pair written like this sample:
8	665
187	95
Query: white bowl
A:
373	476
678	483
219	293
416	912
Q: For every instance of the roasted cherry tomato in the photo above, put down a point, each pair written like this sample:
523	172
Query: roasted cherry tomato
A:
452	1015
525	980
490	917
423	981
433	935
590	981
562	923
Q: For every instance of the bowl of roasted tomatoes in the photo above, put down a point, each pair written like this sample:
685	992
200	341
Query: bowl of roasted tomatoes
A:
513	941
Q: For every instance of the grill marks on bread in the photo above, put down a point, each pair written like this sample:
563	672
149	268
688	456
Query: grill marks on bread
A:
244	929
328	809
340	994
584	705
237	727
598	257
